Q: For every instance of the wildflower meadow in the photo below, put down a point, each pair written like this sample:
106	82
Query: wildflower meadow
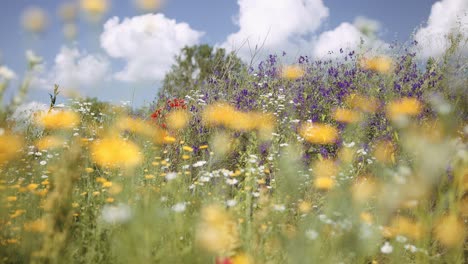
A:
360	157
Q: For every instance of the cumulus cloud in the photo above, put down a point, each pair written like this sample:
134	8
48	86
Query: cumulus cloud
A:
349	37
74	69
345	36
147	44
446	15
275	24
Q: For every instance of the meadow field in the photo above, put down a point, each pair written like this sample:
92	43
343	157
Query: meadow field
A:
360	158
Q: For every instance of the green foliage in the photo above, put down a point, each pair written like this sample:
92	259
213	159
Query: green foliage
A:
197	64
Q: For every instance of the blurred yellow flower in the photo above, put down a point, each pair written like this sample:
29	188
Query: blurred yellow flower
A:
68	11
304	207
384	152
366	217
362	103
94	7
10	146
34	19
148	5
407	227
450	231
346	154
217	232
143	128
346	116
12	198
324	183
177	119
135	125
318	133
37	226
49	142
363	189
292	72
115	152
32	186
58	119
405	106
242	258
17	213
227	116
381	64
325	168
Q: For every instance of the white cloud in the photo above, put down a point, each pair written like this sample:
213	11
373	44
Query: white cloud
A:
446	15
345	36
361	34
74	69
278	24
147	43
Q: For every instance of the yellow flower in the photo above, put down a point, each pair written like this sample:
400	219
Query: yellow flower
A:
106	184
169	139
381	64
95	7
403	107
385	152
49	142
292	72
242	259
58	119
405	226
319	133
12	241
346	116
34	19
12	198
141	127
450	231
326	168
346	155
363	189
148	5
17	213
187	148
227	116
9	147
115	152
304	207
32	186
177	119
362	103
115	189
37	226
217	232
324	183
366	217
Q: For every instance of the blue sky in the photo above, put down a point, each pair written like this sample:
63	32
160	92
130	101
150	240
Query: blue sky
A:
208	21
